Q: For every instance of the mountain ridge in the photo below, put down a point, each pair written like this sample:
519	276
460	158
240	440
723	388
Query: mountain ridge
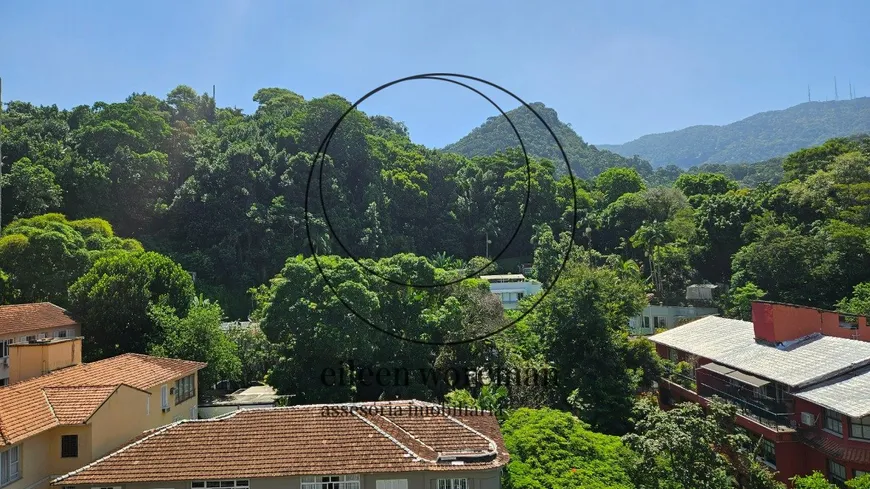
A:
758	137
495	134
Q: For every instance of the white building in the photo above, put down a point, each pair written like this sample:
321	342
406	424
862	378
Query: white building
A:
655	317
512	287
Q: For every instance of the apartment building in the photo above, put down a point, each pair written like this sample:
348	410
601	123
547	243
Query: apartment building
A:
23	323
799	376
655	317
511	288
380	445
58	414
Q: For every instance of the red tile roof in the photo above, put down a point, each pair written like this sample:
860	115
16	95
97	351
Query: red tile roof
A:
306	440
70	395
21	318
835	449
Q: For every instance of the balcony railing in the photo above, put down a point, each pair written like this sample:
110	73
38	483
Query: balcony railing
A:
768	412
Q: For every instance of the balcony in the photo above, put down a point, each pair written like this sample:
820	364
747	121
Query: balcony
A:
770	413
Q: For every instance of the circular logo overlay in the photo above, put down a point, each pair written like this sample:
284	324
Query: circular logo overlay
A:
453	78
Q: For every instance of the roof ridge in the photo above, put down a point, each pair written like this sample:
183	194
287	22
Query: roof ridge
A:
50	407
493	446
392	439
403	430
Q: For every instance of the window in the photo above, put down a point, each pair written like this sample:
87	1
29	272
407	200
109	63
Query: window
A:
4	348
30	338
331	482
194	414
859	473
674	354
392	484
452	483
767	452
4	382
69	446
646	323
61	333
237	484
184	389
9	465
836	472
164	397
659	322
860	428
833	421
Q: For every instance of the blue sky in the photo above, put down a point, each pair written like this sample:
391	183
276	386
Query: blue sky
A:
615	70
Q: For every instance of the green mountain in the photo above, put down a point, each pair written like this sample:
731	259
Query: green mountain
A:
586	160
756	138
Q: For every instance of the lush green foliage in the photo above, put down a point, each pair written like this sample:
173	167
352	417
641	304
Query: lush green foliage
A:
199	337
551	448
759	137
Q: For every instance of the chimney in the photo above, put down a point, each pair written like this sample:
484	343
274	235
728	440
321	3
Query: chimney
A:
28	360
778	323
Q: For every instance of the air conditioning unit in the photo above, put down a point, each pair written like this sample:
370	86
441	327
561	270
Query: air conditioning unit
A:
808	419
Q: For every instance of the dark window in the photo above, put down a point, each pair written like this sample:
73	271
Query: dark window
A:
184	389
848	321
860	428
69	446
833	421
674	354
767	451
836	473
646	322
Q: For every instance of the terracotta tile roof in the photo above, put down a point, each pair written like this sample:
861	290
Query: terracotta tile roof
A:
836	450
70	394
20	318
304	440
76	404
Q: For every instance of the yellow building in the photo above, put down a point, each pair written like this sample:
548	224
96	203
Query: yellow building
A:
23	323
58	414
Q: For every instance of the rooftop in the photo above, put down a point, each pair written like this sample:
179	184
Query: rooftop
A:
21	318
395	436
71	395
732	343
848	394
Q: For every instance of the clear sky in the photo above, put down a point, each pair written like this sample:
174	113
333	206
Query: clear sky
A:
615	70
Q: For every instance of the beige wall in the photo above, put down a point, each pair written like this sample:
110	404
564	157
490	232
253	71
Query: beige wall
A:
485	479
121	418
77	331
32	360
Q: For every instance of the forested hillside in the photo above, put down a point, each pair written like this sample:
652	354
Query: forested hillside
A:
109	209
496	135
756	138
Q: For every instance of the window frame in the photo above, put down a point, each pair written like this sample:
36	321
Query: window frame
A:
452	483
7	475
348	481
221	483
391	484
836	479
836	420
768	452
185	388
164	397
864	427
4	347
66	443
673	354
